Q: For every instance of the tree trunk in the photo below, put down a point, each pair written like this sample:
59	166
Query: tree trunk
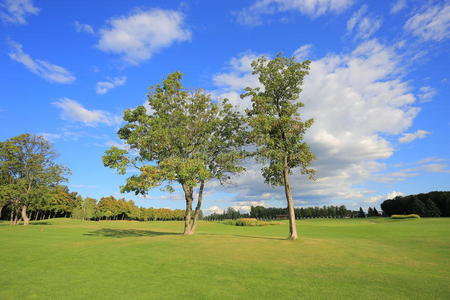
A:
37	215
290	202
1	208
25	218
11	215
198	207
187	216
16	218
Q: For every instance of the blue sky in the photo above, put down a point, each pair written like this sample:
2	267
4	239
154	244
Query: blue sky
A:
378	89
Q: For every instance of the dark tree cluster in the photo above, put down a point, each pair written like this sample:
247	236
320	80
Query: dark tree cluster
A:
433	204
271	213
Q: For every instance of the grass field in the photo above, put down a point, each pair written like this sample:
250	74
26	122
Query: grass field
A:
334	259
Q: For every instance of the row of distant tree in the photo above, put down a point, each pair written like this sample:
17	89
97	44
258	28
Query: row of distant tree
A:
433	204
269	213
31	189
60	202
110	208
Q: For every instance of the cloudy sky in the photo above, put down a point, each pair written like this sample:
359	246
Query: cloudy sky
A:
378	89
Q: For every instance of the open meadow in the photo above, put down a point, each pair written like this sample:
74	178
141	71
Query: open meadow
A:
375	258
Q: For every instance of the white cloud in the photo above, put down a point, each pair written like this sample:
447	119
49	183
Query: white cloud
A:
432	23
79	27
393	194
379	198
138	36
42	68
212	210
302	52
102	87
120	145
362	24
427	93
356	99
409	137
74	111
398	6
373	199
252	15
16	11
50	136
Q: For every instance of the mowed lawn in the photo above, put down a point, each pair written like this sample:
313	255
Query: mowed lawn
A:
333	259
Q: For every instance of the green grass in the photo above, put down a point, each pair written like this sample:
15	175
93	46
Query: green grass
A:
376	258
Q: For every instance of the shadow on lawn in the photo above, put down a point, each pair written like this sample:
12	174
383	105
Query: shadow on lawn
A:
122	233
40	223
8	223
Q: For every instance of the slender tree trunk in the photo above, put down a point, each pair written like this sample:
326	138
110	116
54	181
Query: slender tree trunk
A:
290	202
16	217
1	208
37	215
198	207
11	216
187	216
25	218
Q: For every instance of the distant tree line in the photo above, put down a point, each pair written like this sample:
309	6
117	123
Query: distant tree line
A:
110	208
269	213
433	204
60	202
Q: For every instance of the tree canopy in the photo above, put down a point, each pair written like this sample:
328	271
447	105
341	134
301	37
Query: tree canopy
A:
181	136
277	128
27	164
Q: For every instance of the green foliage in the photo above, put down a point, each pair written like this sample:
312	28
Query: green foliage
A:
86	210
180	137
411	216
433	204
28	171
275	120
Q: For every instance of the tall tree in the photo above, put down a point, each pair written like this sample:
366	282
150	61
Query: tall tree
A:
182	136
277	128
361	213
29	161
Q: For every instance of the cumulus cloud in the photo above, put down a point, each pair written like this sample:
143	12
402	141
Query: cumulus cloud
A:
79	27
357	99
50	136
431	23
362	24
426	165
302	53
252	15
40	67
393	194
138	36
212	210
409	137
16	11
397	6
102	87
427	93
71	110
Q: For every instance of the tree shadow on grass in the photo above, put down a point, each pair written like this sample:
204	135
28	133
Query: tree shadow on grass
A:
40	223
245	236
123	233
261	237
8	223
